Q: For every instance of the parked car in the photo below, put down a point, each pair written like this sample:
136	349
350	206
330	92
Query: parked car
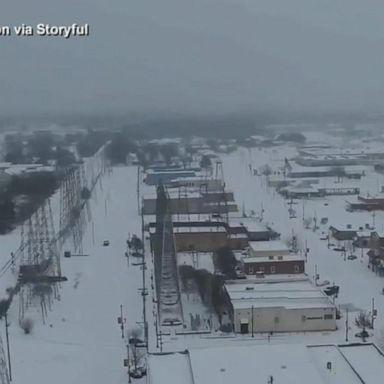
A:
105	243
352	257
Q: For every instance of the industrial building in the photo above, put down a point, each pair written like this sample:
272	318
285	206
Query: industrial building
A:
335	171
200	239
197	183
274	363
283	304
184	202
207	234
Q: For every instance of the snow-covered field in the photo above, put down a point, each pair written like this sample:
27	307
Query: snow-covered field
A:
81	341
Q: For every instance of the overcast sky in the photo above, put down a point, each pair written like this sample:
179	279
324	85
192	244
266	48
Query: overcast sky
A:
195	56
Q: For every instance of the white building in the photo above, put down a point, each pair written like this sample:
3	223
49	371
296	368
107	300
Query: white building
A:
280	304
267	248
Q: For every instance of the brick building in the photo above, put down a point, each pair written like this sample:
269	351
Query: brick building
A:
288	264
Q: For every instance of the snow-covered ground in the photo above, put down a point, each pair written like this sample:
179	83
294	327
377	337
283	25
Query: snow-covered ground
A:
81	341
358	285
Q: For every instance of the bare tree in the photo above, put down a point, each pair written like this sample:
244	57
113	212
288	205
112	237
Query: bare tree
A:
363	321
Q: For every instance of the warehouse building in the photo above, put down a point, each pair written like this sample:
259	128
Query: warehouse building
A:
279	305
274	363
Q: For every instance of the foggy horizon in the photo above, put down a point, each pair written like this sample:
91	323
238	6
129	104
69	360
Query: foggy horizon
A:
203	58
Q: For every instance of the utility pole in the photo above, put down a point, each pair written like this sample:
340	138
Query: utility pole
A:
346	326
373	311
157	334
138	190
144	292
121	321
161	341
306	251
316	275
253	335
129	373
8	350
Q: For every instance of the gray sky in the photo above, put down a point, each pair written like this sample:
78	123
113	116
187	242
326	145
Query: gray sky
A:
195	56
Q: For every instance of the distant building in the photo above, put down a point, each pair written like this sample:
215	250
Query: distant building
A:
336	171
156	177
181	202
252	228
197	183
343	234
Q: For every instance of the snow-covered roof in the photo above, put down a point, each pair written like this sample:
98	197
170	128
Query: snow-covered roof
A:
285	363
288	294
251	224
347	168
238	236
199	260
272	245
170	368
193	217
300	189
15	169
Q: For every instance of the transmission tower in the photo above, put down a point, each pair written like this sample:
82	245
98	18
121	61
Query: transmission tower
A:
72	218
4	377
40	262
